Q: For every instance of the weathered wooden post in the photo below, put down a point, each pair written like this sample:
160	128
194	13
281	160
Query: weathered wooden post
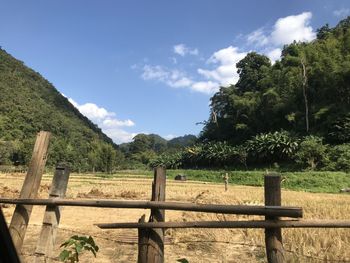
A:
21	215
46	242
226	181
273	236
151	241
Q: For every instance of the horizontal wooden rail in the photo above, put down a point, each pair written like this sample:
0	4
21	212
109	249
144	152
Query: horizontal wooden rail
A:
278	211
235	224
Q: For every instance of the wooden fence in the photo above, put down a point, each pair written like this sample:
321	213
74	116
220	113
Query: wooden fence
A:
151	233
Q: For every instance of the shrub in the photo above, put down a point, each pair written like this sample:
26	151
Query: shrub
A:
339	157
212	154
312	152
340	130
169	161
271	147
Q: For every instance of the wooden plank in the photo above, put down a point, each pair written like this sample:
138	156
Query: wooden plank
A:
21	215
151	247
281	211
273	236
234	224
47	238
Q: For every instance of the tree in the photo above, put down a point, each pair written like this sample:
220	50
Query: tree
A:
251	70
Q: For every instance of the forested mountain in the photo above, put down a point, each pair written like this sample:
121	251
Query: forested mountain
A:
306	92
28	104
182	141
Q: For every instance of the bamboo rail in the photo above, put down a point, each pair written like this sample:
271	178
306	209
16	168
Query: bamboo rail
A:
235	224
278	211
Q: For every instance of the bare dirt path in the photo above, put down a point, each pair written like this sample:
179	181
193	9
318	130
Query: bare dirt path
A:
197	245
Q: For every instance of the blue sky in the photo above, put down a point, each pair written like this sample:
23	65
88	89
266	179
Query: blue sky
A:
152	66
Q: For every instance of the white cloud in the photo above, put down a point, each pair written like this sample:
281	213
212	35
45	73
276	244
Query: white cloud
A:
119	135
154	72
117	123
93	112
343	12
290	28
181	82
177	79
106	121
284	31
225	72
183	50
274	54
173	78
207	87
258	37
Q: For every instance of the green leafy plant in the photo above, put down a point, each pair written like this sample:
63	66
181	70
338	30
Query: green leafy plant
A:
76	245
272	146
339	157
340	130
312	152
210	154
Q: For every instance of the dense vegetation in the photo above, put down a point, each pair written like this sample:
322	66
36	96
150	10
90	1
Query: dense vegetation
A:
294	112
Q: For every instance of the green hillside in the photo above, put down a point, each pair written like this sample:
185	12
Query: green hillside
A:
28	104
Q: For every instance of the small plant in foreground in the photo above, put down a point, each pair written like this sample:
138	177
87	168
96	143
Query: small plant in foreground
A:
75	245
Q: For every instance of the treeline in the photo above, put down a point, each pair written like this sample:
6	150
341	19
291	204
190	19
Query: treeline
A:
81	156
275	150
296	111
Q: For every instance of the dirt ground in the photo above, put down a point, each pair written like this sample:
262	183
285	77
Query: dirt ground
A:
196	245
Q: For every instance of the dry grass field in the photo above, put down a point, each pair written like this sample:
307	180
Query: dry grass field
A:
197	245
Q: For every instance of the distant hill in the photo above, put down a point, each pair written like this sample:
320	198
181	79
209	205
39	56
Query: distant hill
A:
28	104
145	147
156	143
182	141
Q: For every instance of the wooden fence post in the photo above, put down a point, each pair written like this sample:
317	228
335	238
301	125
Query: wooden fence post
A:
46	242
151	241
273	236
21	215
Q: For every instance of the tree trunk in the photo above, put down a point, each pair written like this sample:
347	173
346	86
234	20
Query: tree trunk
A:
305	96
